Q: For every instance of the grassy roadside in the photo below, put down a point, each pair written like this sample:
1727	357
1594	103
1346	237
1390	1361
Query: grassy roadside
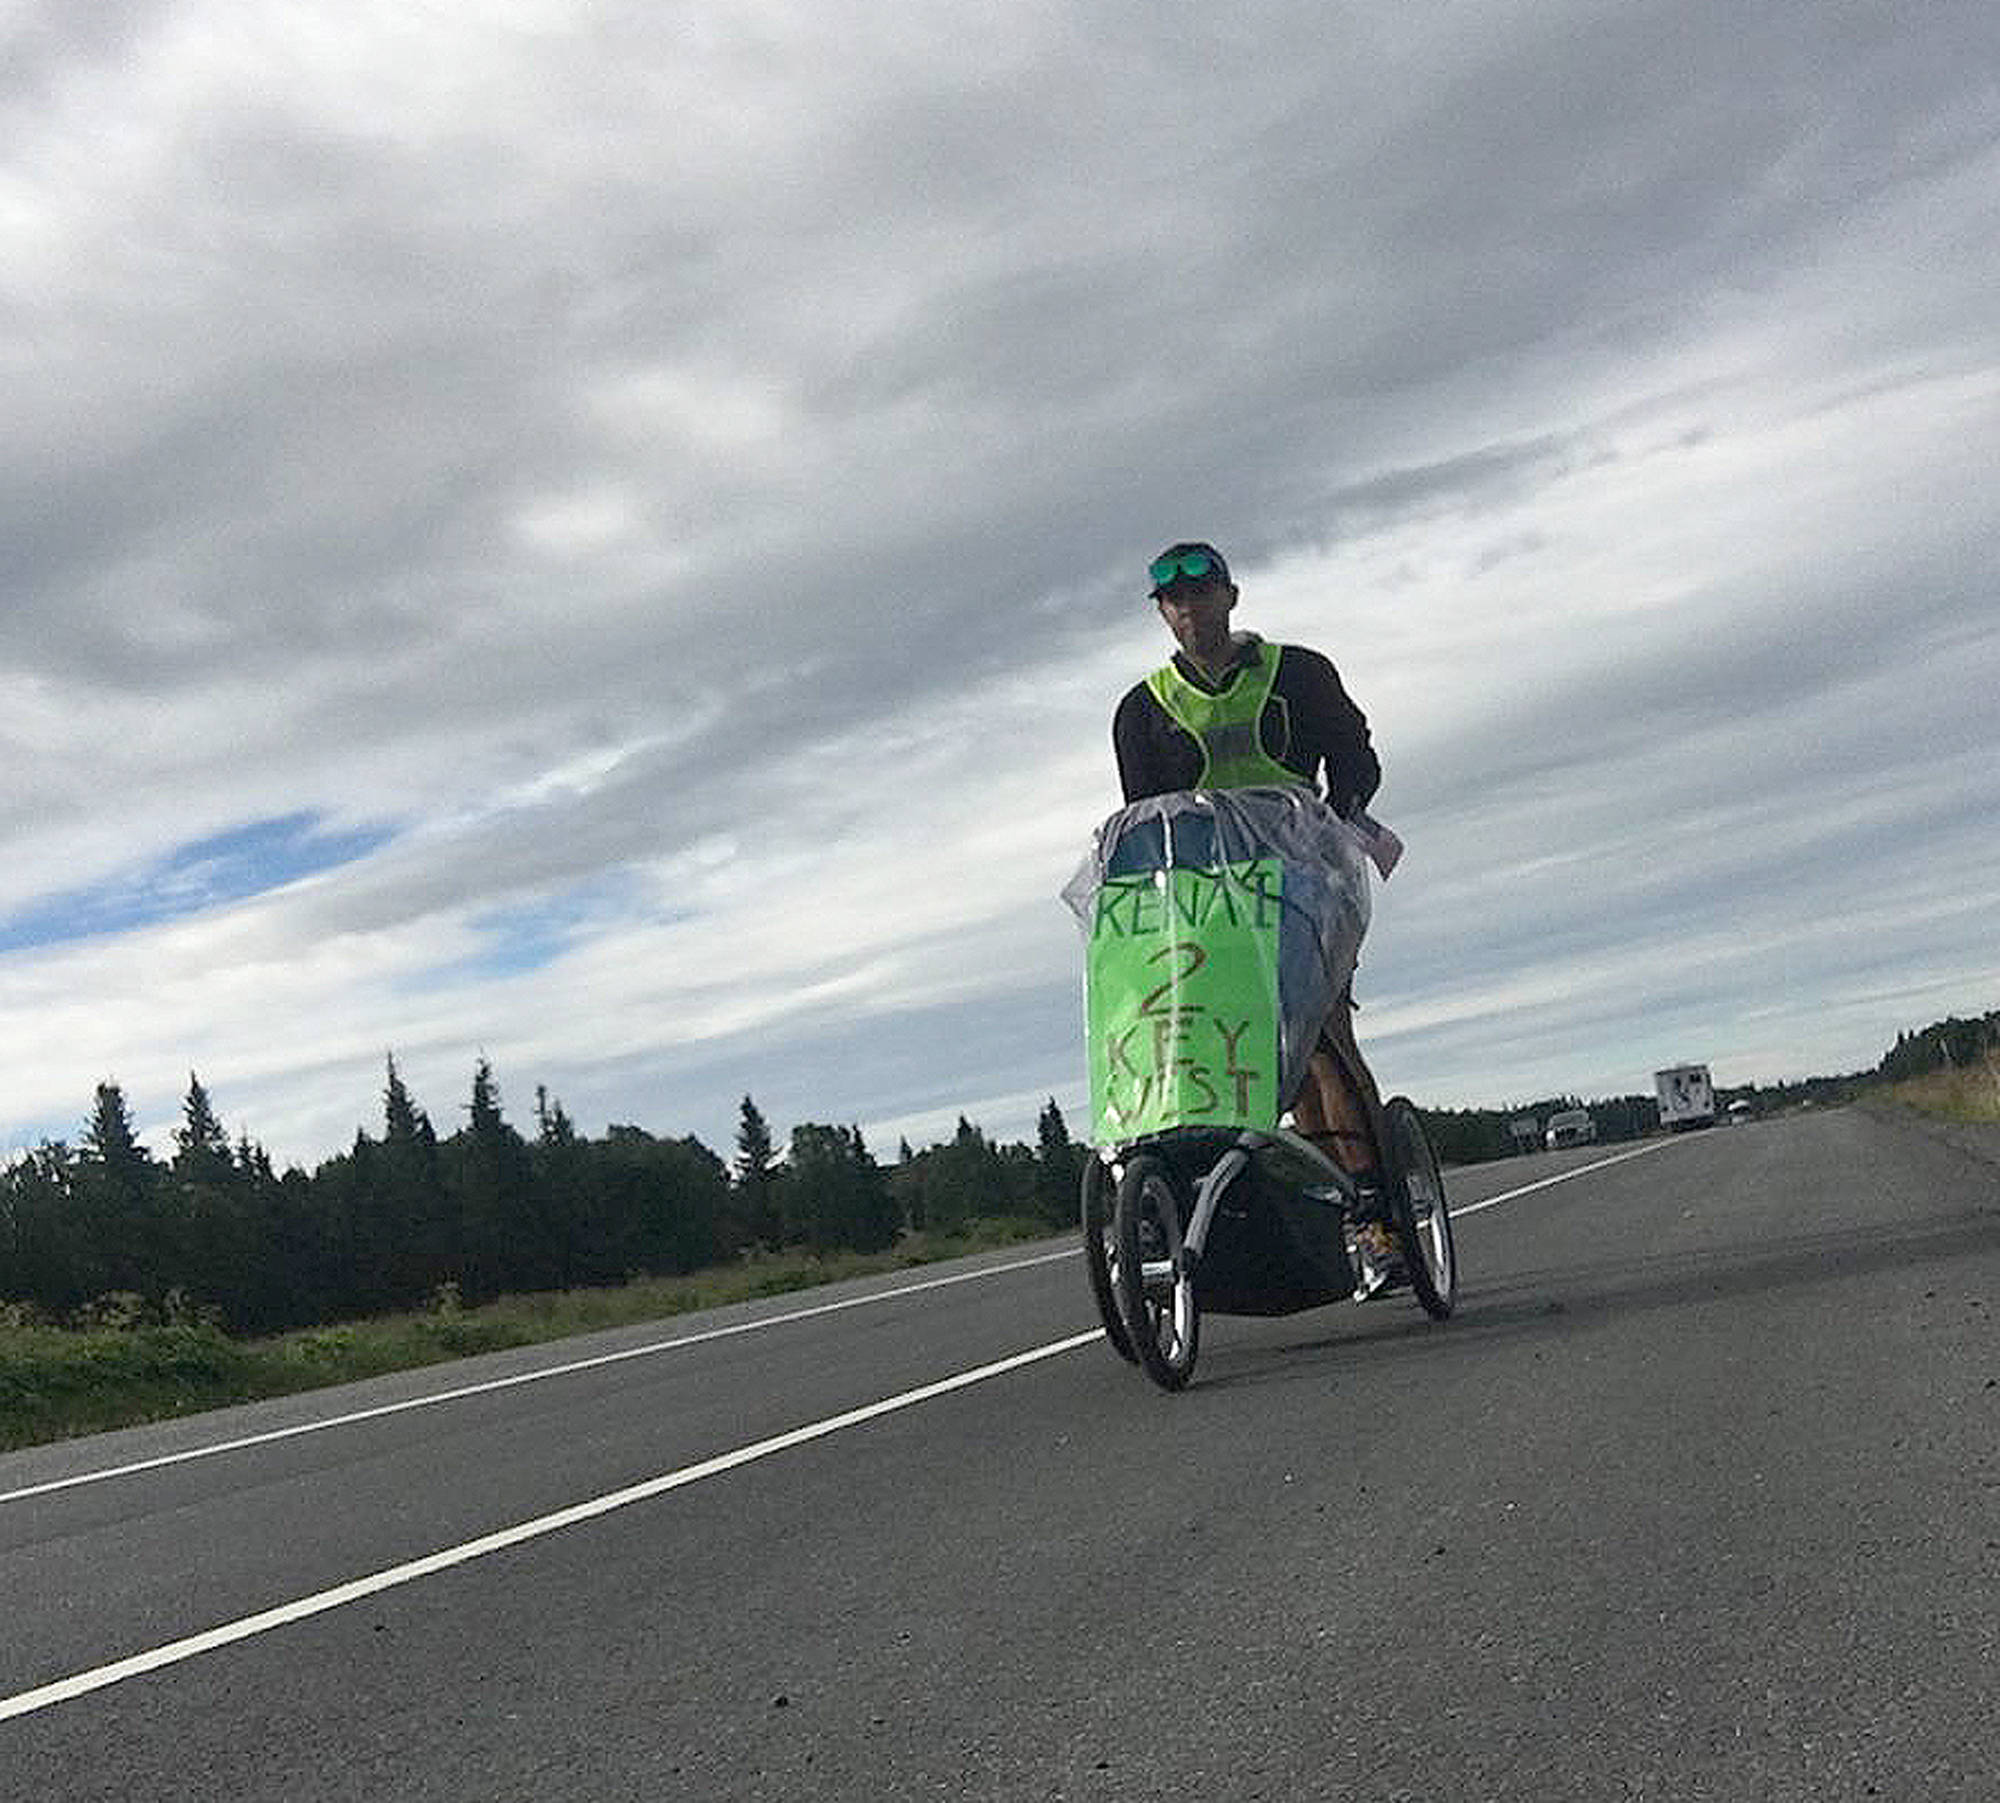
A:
1968	1096
57	1382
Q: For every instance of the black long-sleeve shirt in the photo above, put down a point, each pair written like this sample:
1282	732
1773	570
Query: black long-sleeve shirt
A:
1309	724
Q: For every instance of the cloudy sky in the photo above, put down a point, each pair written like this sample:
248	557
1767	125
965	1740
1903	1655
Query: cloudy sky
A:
607	537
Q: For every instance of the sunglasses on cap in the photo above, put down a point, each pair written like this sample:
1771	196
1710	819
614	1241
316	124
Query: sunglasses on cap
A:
1196	566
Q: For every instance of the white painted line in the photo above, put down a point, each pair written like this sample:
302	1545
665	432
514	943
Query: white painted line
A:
65	1690
529	1377
1528	1189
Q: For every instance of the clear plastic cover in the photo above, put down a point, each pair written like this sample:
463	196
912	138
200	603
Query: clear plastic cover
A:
1219	928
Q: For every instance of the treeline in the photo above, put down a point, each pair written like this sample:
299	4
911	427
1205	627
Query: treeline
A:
1948	1044
1469	1135
104	1228
1473	1135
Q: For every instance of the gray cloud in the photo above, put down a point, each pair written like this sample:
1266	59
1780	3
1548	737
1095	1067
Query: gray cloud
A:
568	442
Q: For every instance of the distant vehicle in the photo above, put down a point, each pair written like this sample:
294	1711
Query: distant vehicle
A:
1740	1110
1570	1127
1687	1098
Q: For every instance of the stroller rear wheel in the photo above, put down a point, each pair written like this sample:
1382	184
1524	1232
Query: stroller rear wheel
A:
1420	1213
1100	1255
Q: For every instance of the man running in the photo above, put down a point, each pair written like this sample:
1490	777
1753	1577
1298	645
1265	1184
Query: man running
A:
1232	711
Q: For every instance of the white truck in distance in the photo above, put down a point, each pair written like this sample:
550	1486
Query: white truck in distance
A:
1687	1098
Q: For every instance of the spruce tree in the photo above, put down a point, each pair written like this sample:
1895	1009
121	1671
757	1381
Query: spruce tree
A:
501	1242
1058	1166
201	1147
758	1220
108	1137
213	1222
564	1198
876	1220
410	1205
126	1226
754	1151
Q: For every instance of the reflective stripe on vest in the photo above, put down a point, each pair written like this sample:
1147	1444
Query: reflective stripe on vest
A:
1225	726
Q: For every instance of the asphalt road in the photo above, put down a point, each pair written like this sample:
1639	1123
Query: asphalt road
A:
1697	1497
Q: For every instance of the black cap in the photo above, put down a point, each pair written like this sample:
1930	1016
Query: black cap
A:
1218	569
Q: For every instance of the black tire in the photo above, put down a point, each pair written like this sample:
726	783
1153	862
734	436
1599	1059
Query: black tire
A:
1099	1256
1162	1320
1419	1211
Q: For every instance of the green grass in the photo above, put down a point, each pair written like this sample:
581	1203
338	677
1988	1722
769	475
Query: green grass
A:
1969	1096
57	1382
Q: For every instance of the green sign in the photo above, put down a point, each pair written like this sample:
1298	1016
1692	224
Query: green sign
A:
1182	999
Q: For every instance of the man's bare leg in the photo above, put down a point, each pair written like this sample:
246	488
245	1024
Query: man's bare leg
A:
1337	1103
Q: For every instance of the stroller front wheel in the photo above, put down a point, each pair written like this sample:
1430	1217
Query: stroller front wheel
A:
1149	1274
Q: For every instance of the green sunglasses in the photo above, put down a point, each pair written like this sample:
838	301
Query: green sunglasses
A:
1192	564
